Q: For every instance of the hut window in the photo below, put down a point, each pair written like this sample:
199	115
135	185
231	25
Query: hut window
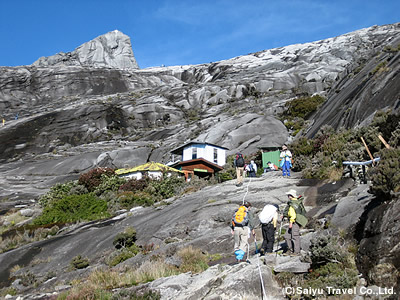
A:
194	153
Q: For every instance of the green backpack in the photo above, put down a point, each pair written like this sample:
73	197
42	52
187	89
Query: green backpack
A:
300	210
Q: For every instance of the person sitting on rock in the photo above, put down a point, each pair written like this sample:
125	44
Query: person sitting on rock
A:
243	223
271	167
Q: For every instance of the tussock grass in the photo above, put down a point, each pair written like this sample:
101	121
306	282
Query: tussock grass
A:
101	281
193	260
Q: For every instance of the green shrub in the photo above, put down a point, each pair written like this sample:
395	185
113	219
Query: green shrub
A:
386	176
333	275
73	208
193	260
229	171
125	239
92	178
332	265
108	183
128	199
322	156
135	184
124	242
57	192
325	249
79	262
167	187
27	279
121	255
303	107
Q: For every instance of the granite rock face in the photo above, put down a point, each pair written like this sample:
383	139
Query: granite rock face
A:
93	96
94	107
203	222
379	236
112	50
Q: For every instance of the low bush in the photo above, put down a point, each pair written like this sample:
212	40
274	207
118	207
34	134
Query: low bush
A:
93	178
303	107
125	239
298	110
121	255
73	208
386	176
108	183
129	199
79	262
229	171
193	260
57	192
322	156
332	265
168	187
133	185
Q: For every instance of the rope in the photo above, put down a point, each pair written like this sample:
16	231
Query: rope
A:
247	191
248	250
264	296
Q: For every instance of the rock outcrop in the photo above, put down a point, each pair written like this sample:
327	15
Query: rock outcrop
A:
94	107
203	222
111	50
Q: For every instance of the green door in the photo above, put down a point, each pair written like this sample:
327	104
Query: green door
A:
272	156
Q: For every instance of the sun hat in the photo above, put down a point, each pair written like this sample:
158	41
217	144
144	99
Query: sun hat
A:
292	193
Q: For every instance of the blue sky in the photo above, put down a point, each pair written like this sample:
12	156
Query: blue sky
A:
171	32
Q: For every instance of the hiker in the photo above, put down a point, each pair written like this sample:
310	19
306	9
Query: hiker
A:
286	161
268	218
242	225
271	167
4	121
239	165
251	168
295	212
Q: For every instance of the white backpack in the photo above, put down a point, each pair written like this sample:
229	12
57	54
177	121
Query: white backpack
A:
267	214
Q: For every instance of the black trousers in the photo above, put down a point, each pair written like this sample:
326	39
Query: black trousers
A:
268	233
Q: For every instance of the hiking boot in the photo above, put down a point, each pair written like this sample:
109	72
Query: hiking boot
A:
287	253
262	252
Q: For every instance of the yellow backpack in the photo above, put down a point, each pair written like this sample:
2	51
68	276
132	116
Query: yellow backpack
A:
240	217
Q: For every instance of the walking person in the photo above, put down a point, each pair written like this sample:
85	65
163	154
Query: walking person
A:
269	219
251	168
295	212
239	165
286	161
242	225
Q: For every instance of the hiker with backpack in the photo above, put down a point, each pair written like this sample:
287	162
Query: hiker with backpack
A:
239	165
296	213
242	225
251	168
268	219
286	161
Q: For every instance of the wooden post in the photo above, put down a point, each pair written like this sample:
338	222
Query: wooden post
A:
384	142
369	153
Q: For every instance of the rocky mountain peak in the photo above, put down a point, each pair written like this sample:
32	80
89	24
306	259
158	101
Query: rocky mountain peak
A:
110	50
